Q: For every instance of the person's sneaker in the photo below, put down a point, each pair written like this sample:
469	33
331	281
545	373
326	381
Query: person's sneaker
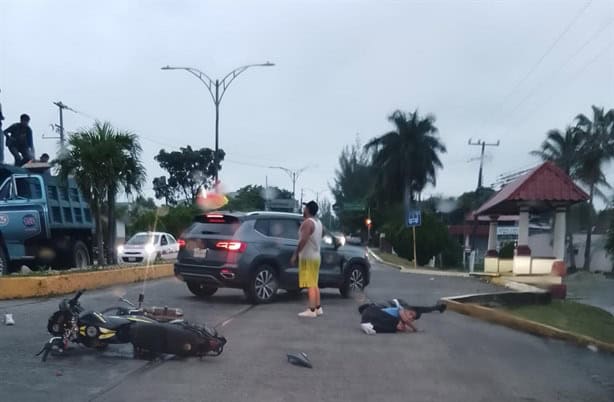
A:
308	313
319	311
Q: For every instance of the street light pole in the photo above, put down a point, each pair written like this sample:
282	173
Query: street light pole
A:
294	175
217	88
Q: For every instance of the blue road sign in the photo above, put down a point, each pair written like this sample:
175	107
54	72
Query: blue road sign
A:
413	218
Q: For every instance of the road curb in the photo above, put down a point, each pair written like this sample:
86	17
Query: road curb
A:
41	286
419	271
521	324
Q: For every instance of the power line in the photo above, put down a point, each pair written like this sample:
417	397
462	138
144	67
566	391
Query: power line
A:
548	51
572	79
563	65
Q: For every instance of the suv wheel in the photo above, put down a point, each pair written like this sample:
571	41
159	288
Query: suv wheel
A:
200	289
354	281
263	286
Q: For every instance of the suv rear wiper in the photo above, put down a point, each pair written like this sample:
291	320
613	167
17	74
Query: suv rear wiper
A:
207	232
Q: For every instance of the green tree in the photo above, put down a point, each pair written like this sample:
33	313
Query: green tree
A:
252	198
407	158
353	183
103	162
562	149
609	245
596	151
188	170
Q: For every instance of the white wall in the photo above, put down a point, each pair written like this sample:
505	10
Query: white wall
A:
600	261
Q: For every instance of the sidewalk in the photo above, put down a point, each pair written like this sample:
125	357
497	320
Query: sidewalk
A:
421	270
591	288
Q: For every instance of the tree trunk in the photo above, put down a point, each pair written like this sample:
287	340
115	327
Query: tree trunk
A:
589	231
99	236
111	228
571	254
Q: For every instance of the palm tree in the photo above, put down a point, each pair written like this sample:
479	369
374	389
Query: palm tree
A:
407	158
103	161
562	149
596	151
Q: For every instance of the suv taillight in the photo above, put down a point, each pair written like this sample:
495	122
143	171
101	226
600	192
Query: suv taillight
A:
181	243
237	246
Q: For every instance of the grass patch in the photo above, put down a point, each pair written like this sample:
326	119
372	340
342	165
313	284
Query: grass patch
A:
570	316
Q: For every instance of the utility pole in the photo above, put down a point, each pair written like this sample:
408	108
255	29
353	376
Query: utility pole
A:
482	144
61	106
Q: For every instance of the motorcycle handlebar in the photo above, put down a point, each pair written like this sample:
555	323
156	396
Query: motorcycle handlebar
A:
75	299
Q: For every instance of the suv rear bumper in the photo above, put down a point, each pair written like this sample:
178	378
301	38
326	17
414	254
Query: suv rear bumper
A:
219	276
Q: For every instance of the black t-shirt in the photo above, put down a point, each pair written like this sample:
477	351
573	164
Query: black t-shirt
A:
21	134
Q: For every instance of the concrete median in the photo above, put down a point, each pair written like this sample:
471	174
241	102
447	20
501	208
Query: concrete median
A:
468	306
22	287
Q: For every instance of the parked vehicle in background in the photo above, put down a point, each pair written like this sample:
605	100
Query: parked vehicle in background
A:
43	221
353	239
252	252
148	247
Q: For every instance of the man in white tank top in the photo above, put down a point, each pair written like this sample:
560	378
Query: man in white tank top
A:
308	253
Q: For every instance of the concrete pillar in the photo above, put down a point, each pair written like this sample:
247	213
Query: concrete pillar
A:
558	247
523	232
492	237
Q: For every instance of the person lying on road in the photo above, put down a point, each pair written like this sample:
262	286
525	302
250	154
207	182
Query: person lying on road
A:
394	317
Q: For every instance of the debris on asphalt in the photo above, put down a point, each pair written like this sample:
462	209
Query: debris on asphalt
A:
299	359
59	373
8	319
592	348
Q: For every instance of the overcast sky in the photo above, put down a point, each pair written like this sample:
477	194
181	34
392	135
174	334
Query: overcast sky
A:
493	70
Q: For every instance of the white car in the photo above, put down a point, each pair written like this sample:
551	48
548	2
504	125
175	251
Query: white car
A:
148	247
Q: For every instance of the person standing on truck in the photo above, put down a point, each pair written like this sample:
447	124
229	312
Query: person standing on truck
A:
308	253
20	141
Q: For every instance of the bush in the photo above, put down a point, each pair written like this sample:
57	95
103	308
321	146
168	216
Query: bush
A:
432	239
507	250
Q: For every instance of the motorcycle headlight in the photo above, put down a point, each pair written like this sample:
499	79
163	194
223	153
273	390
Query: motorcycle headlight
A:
150	249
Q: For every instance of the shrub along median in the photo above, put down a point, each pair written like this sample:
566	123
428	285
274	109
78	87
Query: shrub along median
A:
33	285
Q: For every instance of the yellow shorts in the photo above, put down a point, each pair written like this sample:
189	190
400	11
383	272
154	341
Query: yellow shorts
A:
308	272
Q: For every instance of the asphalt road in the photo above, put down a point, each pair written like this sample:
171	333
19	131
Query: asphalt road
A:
452	358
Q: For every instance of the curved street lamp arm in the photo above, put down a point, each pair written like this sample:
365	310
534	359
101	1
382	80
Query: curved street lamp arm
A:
204	78
230	77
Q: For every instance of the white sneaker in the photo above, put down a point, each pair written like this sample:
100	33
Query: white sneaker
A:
319	311
308	313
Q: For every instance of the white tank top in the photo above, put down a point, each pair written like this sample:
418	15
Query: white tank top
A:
311	251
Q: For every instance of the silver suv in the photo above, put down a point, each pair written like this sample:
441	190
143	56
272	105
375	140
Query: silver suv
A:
252	252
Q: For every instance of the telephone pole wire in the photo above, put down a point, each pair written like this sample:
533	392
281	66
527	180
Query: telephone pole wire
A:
482	144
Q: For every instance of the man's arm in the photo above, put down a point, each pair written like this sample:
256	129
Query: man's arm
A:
305	231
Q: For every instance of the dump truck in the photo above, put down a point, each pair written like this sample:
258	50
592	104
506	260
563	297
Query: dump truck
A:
44	221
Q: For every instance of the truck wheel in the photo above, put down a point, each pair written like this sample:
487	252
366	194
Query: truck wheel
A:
80	257
4	262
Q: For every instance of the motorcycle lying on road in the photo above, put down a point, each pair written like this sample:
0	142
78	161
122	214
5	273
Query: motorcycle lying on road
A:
147	335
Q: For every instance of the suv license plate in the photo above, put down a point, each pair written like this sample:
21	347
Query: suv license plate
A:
131	259
200	253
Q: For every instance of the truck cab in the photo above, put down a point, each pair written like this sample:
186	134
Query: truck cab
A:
43	221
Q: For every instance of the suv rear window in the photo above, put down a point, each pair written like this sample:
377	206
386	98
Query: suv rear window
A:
210	224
